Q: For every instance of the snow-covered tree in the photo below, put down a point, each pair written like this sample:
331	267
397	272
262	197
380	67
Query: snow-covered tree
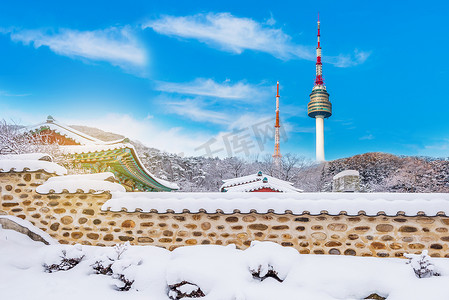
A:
421	264
15	141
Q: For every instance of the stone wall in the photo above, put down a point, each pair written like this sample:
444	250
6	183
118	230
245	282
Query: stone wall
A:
77	218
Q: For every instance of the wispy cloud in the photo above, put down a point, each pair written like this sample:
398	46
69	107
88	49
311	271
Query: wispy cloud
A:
248	120
436	147
118	46
194	110
234	34
230	33
367	137
443	144
271	21
8	94
347	60
208	87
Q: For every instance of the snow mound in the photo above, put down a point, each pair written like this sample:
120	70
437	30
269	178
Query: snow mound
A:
194	266
87	183
268	259
210	273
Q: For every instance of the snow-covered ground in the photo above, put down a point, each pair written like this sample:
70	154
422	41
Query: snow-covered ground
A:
220	272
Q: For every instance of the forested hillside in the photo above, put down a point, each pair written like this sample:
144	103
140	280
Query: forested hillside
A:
382	172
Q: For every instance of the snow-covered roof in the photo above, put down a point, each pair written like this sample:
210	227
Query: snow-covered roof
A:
372	204
346	173
69	132
257	181
99	148
28	156
264	184
86	183
30	162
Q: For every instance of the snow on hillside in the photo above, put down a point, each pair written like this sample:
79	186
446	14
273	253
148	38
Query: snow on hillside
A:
382	172
263	271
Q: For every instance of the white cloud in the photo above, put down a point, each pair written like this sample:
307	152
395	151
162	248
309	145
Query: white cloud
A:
7	94
210	88
13	115
230	33
193	110
367	137
441	146
197	110
344	61
248	120
115	45
234	34
271	21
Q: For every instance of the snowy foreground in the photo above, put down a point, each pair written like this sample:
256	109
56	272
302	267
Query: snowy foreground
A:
220	272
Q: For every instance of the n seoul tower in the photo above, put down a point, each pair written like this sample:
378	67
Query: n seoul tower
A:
319	106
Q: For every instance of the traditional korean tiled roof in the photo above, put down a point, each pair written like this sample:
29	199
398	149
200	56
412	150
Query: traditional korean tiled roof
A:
117	156
258	181
123	161
69	132
351	204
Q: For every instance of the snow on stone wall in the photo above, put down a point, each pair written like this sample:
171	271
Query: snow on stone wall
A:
85	183
19	165
79	218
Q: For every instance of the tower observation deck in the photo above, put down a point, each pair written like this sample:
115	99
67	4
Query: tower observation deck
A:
319	106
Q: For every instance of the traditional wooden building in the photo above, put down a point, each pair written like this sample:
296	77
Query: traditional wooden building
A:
118	157
258	182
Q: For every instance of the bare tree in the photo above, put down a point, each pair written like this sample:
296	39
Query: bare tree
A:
291	164
309	178
13	140
267	165
236	166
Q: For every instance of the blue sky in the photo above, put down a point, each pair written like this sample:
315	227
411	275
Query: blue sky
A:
180	75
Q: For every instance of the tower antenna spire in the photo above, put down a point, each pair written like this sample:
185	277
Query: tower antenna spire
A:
319	66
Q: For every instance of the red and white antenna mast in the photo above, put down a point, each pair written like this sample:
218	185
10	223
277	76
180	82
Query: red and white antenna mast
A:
277	152
319	66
